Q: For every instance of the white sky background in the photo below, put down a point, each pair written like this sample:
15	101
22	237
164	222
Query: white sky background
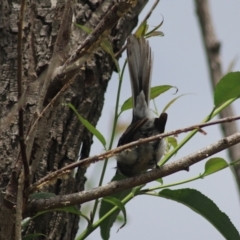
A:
179	60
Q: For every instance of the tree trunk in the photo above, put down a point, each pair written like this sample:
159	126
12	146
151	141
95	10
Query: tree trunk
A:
59	135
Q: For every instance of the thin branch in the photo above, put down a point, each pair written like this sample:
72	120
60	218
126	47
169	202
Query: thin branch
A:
85	162
212	47
118	186
19	207
144	20
101	30
150	11
20	110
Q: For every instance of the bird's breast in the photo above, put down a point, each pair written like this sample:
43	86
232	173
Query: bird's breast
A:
141	158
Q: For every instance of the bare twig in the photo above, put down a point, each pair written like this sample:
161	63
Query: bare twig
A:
150	12
19	207
20	110
101	30
118	186
144	20
212	47
85	162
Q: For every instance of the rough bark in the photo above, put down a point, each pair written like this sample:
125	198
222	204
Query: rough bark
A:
59	134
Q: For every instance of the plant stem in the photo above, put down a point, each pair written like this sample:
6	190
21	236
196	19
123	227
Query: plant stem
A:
171	184
91	228
191	134
112	135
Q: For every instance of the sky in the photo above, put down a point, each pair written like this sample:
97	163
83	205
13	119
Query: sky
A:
179	60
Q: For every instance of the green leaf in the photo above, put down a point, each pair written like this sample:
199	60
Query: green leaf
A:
70	209
105	207
89	126
153	31
33	236
172	141
171	102
154	92
213	165
227	88
142	29
74	210
107	47
204	206
160	180
120	219
158	90
116	202
236	162
84	28
136	190
155	34
126	105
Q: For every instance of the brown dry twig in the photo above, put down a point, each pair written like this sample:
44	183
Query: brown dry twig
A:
20	110
144	20
52	177
19	207
118	186
101	31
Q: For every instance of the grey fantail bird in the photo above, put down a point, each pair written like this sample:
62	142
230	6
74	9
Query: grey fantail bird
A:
145	156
